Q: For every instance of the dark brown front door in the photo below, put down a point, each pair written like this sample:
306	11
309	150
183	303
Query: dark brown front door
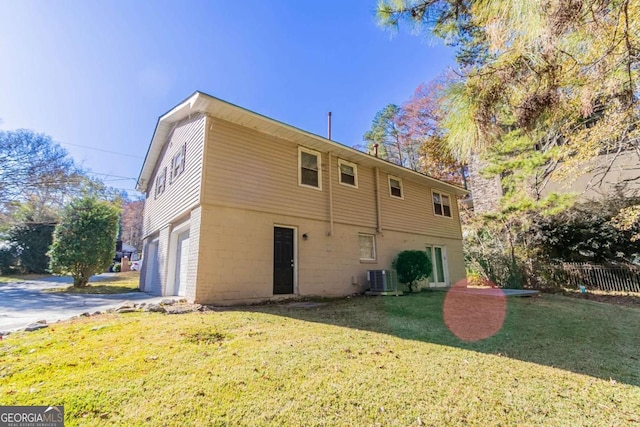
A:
283	260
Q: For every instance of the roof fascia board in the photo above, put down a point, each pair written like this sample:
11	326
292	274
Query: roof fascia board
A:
181	110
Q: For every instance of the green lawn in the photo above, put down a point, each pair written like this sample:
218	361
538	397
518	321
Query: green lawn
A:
358	361
116	284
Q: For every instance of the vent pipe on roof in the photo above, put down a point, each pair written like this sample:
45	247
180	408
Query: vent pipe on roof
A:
329	125
375	150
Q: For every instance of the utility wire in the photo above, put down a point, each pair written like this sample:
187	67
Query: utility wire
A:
112	175
100	149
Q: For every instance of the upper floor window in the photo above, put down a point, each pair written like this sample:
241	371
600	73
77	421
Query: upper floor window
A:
395	187
161	181
348	173
177	162
441	204
309	171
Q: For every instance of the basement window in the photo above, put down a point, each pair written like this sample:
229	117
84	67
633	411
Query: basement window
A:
309	172
348	173
441	204
367	247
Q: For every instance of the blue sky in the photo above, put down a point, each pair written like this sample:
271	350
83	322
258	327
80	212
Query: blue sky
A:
99	73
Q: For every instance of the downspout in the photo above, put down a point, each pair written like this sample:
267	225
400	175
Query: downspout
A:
378	210
330	195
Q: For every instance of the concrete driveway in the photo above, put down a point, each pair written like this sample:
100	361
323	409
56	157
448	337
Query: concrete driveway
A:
23	303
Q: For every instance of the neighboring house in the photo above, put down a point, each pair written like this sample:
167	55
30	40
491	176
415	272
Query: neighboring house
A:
605	175
241	208
129	251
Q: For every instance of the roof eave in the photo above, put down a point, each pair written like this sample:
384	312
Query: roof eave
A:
180	111
200	102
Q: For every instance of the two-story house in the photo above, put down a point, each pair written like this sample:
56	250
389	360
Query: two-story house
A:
241	208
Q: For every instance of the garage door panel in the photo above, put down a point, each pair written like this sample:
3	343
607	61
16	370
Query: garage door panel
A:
182	263
152	282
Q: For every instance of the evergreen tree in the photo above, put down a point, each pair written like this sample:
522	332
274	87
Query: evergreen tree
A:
84	240
546	85
411	135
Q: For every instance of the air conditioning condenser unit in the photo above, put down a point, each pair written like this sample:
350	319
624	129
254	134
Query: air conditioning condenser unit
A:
383	282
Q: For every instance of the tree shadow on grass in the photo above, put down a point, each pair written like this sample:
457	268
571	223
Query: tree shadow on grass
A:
102	284
95	289
631	299
596	339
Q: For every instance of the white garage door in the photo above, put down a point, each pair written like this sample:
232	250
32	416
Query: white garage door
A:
182	263
152	281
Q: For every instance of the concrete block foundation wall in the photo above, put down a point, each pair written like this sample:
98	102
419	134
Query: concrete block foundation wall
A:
236	256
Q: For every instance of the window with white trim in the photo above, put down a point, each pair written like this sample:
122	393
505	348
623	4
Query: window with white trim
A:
309	168
177	162
161	181
395	187
347	173
367	247
441	204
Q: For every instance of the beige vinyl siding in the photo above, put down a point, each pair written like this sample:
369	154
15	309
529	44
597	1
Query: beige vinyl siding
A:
252	170
414	213
239	182
351	205
183	193
449	226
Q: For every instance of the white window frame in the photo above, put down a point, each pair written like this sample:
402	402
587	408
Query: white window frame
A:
355	173
178	168
375	250
161	182
440	193
395	178
313	153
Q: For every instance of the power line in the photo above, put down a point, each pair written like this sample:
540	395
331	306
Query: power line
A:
112	175
115	179
104	151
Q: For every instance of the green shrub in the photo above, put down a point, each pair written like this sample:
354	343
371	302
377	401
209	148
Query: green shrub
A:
499	248
7	260
32	242
527	248
84	240
584	233
117	267
412	266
